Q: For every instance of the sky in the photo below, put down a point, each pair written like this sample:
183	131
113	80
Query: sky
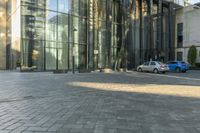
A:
194	1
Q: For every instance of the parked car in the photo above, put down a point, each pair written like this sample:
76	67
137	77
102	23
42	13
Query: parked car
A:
153	66
178	66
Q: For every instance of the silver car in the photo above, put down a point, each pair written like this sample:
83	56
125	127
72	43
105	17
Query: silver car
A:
153	66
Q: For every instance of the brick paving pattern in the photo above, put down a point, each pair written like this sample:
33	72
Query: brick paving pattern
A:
99	103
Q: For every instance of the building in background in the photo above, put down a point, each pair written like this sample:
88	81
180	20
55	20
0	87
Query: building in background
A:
88	34
187	31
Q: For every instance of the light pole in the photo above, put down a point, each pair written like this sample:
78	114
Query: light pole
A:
73	50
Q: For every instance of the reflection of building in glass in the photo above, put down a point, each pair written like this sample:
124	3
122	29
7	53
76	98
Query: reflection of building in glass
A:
46	34
2	34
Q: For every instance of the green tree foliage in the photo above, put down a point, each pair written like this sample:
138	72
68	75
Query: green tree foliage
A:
192	55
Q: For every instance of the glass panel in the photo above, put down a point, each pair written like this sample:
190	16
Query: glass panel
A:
74	51
83	7
33	54
63	27
64	6
103	47
51	5
75	7
51	56
33	23
38	55
63	56
83	30
51	26
101	5
35	3
75	30
82	56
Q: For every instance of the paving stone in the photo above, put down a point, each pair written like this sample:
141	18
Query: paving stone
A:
4	131
98	103
55	127
37	129
19	130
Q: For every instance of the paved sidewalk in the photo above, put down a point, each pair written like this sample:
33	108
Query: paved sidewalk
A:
99	103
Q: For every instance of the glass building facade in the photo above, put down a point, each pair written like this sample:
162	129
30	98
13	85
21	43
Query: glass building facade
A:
88	34
2	34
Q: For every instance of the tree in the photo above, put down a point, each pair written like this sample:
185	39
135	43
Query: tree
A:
192	55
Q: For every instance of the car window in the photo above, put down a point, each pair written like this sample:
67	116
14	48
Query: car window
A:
153	63
146	63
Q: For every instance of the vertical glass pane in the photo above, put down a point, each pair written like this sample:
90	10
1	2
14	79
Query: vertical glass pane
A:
51	26
63	56
51	56
64	6
51	5
103	47
38	55
32	54
75	30
75	7
83	30
63	27
83	7
101	8
82	56
35	3
33	22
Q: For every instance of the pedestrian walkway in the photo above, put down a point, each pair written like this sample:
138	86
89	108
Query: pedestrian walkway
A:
96	103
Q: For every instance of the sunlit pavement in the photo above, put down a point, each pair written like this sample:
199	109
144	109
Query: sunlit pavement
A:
100	103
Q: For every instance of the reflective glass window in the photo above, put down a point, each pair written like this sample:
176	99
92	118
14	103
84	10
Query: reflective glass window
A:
64	6
51	26
63	27
51	5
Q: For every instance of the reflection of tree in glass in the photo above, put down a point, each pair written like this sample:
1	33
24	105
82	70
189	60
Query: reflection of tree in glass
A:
128	12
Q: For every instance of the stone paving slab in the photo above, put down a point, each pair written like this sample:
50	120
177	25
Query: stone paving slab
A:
99	103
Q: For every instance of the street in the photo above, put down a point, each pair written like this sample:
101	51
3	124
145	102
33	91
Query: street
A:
129	102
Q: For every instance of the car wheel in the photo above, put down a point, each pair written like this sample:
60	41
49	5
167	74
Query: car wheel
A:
163	72
177	69
140	70
156	70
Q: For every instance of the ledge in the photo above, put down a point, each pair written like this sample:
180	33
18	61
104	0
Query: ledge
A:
60	71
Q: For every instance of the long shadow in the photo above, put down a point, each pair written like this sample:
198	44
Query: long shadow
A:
138	78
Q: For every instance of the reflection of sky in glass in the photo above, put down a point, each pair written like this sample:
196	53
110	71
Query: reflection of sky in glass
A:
52	4
62	5
50	15
194	1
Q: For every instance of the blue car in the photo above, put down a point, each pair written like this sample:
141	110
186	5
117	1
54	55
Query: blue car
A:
178	66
